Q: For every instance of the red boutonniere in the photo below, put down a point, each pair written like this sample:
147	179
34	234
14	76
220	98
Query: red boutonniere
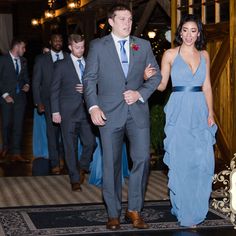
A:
135	46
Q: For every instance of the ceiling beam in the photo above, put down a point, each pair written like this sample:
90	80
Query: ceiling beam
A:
150	6
165	5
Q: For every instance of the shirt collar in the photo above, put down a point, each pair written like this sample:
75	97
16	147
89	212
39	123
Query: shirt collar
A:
13	57
75	59
54	53
116	38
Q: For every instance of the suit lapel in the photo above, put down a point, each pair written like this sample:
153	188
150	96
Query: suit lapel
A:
71	64
131	56
113	53
48	62
11	63
22	64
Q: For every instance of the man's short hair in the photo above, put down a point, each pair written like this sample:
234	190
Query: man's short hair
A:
117	7
16	41
55	35
75	38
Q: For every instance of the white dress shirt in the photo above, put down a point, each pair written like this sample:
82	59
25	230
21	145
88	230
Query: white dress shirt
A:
54	55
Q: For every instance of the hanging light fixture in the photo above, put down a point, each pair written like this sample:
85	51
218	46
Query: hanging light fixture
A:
35	22
73	4
151	34
50	12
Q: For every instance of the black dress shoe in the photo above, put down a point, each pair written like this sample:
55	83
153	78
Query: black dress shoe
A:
113	223
76	187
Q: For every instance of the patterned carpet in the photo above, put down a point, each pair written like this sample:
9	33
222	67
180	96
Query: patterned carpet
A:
90	219
56	190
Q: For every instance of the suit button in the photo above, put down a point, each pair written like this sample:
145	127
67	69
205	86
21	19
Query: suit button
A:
126	83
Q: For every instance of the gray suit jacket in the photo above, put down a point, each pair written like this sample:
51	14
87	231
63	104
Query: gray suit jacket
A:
42	78
64	98
105	82
8	78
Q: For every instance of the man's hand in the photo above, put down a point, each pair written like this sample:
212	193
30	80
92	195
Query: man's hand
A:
41	108
56	118
97	116
26	88
9	99
131	96
79	88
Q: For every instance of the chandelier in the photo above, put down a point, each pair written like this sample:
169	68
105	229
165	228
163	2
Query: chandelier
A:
73	4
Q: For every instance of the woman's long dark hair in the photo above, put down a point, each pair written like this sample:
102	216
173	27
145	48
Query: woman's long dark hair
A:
200	42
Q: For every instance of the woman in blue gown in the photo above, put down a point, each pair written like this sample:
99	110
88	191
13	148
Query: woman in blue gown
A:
40	150
190	127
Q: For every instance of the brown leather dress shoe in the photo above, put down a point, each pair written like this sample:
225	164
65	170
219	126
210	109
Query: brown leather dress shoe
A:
17	157
136	219
76	187
3	153
82	174
56	170
113	223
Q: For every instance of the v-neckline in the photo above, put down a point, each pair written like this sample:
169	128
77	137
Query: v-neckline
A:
188	66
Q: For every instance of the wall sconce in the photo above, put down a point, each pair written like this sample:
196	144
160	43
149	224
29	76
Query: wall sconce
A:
49	13
102	26
73	4
35	22
151	34
168	35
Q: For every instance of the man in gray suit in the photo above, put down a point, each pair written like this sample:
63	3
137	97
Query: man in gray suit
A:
14	84
41	84
116	96
68	110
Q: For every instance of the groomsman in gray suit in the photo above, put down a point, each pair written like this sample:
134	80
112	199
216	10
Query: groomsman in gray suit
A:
68	110
14	84
116	96
41	84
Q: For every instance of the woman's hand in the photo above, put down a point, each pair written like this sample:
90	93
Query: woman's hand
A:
149	72
211	120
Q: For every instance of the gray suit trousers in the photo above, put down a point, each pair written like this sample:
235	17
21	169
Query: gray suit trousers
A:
139	143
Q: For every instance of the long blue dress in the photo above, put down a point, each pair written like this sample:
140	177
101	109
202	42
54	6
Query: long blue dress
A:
189	145
40	150
40	143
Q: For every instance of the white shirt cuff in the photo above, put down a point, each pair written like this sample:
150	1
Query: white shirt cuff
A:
90	109
5	95
141	99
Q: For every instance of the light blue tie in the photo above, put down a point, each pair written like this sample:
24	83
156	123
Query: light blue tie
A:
123	56
81	67
17	75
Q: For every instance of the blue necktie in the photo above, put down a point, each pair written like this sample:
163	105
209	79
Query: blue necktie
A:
17	75
58	58
81	67
16	67
123	56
